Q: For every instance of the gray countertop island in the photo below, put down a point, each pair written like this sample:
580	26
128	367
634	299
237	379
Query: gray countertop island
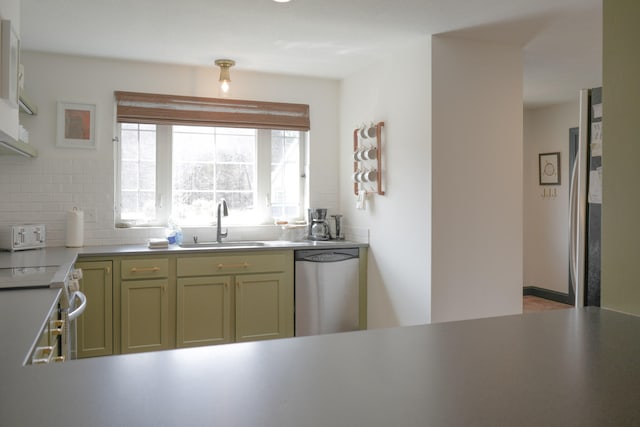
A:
559	368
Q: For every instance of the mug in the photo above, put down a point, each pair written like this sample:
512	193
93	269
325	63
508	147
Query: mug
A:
367	131
371	131
369	176
370	154
363	131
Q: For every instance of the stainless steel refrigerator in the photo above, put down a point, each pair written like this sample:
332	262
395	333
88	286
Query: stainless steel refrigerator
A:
586	202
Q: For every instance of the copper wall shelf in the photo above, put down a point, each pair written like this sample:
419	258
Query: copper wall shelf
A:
362	165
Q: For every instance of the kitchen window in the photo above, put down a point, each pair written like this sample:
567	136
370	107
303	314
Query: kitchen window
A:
171	171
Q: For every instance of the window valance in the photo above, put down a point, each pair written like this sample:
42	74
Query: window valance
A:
134	107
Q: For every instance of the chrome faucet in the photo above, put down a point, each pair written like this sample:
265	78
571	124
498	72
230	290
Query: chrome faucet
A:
222	211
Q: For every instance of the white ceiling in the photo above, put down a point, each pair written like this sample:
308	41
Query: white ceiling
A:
561	39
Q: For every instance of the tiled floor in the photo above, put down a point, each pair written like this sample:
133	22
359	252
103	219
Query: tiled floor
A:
531	304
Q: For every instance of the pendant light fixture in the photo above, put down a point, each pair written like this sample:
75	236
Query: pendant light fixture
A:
225	75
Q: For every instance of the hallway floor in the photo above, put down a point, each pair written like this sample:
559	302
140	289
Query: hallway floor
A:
531	304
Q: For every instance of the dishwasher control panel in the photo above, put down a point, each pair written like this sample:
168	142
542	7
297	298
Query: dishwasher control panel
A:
326	255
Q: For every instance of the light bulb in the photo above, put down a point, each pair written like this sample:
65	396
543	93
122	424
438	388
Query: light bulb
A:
225	75
224	87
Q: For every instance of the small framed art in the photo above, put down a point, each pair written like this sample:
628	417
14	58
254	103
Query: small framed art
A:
76	125
549	168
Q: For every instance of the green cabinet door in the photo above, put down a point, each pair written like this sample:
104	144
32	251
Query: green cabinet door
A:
264	306
144	315
203	311
95	326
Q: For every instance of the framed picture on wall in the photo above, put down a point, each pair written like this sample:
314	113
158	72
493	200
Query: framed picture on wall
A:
10	59
549	168
76	125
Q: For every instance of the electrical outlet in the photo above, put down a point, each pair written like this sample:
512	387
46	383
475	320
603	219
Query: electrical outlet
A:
91	215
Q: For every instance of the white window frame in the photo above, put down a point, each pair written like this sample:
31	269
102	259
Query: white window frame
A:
164	180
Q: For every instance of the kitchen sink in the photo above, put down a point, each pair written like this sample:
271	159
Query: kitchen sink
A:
287	243
230	244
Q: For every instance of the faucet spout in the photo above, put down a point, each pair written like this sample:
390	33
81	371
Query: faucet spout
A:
223	210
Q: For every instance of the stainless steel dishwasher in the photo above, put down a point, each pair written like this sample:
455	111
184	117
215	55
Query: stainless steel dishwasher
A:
326	291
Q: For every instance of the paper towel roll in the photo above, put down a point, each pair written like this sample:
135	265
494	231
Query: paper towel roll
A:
75	228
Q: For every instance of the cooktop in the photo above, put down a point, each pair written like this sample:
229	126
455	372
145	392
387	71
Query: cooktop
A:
27	277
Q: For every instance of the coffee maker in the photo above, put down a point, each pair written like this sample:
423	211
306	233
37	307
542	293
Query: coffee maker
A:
318	224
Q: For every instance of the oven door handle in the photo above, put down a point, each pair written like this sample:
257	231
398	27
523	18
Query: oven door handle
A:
80	309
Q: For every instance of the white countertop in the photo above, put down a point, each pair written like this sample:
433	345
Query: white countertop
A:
559	368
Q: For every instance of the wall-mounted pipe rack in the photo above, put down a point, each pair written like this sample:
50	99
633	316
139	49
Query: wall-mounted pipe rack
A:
367	159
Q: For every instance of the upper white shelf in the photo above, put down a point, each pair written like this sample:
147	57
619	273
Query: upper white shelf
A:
8	145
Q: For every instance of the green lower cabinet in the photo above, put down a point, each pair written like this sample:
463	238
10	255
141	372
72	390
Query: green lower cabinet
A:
203	311
147	303
239	296
95	326
264	306
144	315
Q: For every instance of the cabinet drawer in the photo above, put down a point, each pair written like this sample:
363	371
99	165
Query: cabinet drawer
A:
144	268
234	264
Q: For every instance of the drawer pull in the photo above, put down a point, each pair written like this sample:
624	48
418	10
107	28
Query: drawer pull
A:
144	269
239	265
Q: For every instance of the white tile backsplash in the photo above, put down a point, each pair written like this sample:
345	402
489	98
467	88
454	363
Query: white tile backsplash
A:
43	191
38	190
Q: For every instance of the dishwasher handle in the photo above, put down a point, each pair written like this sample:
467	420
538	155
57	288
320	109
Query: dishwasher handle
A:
327	255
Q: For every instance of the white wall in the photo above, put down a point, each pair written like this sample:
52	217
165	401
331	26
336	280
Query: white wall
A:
477	179
43	189
396	91
546	219
446	238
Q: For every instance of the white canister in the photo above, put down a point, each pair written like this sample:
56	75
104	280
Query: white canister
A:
75	228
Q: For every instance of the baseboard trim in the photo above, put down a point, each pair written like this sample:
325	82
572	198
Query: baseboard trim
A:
547	294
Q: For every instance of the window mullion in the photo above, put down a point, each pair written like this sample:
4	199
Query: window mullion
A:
303	163
118	168
263	165
163	173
